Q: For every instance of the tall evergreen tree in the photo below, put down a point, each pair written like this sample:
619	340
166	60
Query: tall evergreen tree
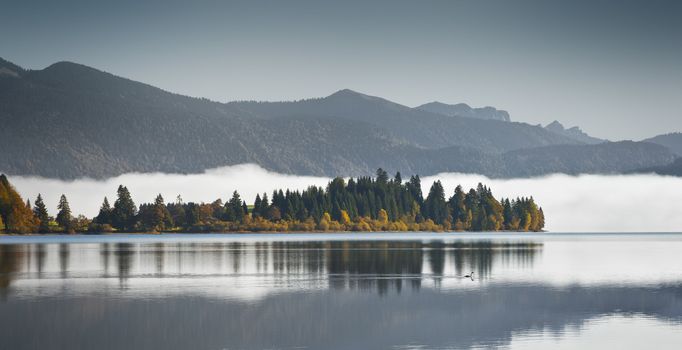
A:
233	208
105	212
398	179
382	176
124	212
415	188
40	212
435	207
256	207
64	214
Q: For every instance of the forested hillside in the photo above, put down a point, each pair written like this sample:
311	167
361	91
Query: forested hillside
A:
69	121
672	141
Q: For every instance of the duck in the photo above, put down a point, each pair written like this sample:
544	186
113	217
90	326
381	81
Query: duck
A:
471	275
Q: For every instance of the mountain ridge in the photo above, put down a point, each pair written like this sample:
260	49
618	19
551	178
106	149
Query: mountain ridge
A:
70	120
464	110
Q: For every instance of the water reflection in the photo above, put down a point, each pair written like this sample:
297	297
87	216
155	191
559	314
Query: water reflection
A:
315	294
368	265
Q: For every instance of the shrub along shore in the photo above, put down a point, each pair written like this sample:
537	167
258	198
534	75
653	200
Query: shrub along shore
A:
364	204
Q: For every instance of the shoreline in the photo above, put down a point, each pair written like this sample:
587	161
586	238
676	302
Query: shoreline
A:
283	233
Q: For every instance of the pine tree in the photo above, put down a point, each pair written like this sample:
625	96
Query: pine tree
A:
161	217
414	186
124	212
105	212
233	208
398	179
382	176
40	212
64	215
256	207
435	207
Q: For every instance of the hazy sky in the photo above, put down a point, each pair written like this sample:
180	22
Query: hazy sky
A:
612	67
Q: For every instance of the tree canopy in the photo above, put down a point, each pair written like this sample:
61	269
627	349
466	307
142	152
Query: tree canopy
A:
355	204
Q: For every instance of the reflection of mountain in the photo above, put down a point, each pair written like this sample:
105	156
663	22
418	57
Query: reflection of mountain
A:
357	310
329	319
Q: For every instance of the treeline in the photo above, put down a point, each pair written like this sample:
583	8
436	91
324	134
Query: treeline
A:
363	204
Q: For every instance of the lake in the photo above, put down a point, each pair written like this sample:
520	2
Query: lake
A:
341	291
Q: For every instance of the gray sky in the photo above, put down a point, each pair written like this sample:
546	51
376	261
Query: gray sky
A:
612	67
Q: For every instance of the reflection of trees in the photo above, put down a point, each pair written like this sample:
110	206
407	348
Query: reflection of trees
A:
159	252
380	265
376	265
64	252
41	253
104	253
124	254
480	255
10	263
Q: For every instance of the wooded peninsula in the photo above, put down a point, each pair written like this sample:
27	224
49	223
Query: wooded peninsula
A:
364	204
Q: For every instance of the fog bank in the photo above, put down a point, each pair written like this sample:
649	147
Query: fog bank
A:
585	203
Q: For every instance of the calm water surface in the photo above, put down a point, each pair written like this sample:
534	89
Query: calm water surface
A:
341	291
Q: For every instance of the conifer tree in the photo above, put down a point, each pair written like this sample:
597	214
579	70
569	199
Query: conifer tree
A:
105	212
398	179
124	212
40	212
435	207
256	207
64	214
233	208
382	176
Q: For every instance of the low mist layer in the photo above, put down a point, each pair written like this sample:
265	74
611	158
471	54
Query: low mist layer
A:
586	203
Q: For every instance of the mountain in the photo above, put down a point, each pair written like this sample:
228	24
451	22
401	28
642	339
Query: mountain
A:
574	133
420	128
672	141
672	169
69	120
604	158
464	110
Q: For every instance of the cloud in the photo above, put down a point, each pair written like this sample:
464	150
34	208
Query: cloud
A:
591	203
585	203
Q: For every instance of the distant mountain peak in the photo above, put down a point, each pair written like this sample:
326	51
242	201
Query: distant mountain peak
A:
348	93
555	126
71	67
464	110
573	132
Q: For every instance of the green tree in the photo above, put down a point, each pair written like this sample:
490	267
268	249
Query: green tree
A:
105	212
435	207
233	208
124	212
382	176
256	207
64	215
40	212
